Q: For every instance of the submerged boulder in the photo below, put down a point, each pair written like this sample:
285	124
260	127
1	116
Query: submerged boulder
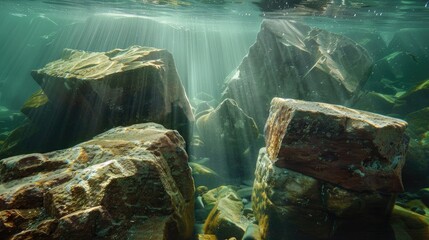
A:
291	205
225	220
292	60
85	93
227	133
125	182
356	150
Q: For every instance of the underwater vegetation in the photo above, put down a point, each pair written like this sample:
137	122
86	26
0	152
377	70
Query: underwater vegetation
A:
269	120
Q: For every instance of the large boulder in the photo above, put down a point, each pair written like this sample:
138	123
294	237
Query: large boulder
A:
293	60
291	205
85	93
126	182
357	150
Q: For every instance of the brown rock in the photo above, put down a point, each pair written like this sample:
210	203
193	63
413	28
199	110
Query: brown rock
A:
287	204
110	187
85	93
291	205
357	150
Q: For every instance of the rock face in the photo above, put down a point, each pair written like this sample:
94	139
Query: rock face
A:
227	132
126	182
292	60
357	150
291	205
85	93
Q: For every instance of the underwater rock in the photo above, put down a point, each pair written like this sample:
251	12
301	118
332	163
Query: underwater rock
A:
418	122
356	150
415	47
415	172
409	225
414	99
252	233
94	91
126	181
207	237
284	219
211	197
370	40
395	67
375	102
227	132
225	220
291	205
292	60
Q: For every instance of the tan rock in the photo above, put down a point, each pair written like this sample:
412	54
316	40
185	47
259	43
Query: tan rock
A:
225	219
110	187
357	150
85	93
211	197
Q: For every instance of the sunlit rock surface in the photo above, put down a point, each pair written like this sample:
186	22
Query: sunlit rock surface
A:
85	93
357	150
292	60
125	183
291	205
227	133
225	219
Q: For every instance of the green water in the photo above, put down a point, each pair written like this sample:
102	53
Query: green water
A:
208	40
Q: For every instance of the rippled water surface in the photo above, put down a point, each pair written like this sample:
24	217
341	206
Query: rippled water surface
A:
208	38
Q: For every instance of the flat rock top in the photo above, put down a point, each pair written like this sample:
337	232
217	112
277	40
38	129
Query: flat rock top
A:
96	65
337	111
